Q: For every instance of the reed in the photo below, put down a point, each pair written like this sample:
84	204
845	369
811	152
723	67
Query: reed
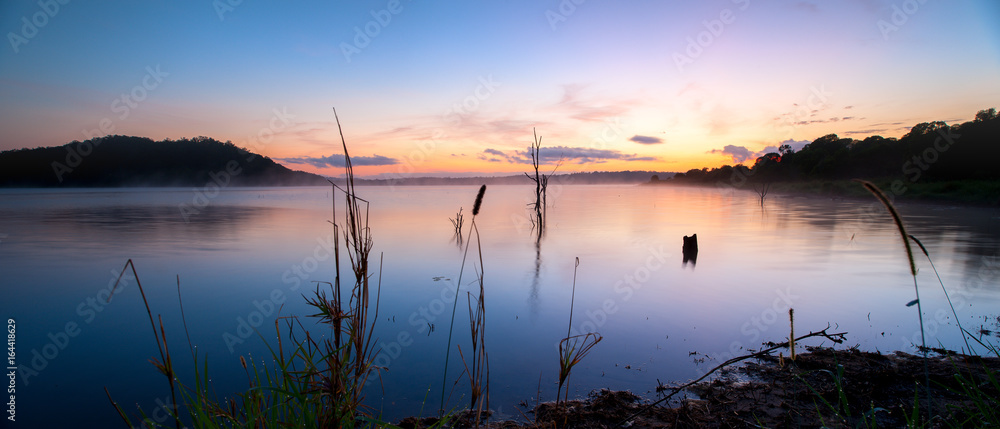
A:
923	249
458	286
479	373
898	221
573	348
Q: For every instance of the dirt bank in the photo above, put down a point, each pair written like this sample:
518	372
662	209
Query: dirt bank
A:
824	387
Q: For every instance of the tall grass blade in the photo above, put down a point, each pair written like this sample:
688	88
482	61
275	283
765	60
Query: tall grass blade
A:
458	287
898	220
953	312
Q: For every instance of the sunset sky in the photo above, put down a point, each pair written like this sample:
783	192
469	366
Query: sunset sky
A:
453	88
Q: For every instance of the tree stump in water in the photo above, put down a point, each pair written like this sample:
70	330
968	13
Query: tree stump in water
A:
690	249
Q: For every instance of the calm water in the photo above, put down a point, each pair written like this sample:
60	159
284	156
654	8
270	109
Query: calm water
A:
251	250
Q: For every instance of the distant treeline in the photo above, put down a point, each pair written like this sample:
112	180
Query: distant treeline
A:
137	161
591	178
930	152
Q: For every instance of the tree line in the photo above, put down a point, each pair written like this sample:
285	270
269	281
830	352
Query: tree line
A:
930	151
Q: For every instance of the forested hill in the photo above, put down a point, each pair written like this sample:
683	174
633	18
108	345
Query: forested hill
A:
137	161
930	152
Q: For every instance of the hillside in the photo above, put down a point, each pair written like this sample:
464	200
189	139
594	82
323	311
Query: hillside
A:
137	161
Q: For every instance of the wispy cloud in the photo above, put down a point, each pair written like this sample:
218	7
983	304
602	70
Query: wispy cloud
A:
646	139
337	160
555	154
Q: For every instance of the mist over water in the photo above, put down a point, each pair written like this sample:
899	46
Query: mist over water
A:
251	251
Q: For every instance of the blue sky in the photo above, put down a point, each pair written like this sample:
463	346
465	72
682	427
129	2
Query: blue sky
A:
457	87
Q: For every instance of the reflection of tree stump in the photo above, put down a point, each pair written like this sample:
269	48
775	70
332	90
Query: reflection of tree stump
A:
690	249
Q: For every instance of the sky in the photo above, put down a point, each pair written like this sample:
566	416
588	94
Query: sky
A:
453	88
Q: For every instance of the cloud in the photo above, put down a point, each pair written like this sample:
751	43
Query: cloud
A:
796	146
870	131
337	160
494	152
576	105
739	153
582	155
646	139
806	6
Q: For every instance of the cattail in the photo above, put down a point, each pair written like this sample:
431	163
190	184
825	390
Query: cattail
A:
479	200
243	362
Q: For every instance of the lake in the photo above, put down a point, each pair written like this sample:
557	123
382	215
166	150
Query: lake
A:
243	253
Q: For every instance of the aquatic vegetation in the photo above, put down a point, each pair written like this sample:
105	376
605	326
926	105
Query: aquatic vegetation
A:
457	222
458	286
573	348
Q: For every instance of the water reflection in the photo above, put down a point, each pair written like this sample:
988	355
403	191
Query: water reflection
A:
689	249
828	259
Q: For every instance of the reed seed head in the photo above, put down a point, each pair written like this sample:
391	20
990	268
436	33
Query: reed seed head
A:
884	199
479	200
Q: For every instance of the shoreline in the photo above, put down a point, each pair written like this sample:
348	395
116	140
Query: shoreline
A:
981	193
821	387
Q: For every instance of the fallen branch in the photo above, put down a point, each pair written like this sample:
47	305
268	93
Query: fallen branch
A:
836	338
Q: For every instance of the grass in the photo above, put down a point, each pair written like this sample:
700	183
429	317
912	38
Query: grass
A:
458	286
898	221
573	348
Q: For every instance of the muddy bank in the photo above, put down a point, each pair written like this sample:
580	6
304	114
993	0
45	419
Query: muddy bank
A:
824	387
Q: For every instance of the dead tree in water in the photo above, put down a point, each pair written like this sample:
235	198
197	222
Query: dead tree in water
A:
762	190
541	183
